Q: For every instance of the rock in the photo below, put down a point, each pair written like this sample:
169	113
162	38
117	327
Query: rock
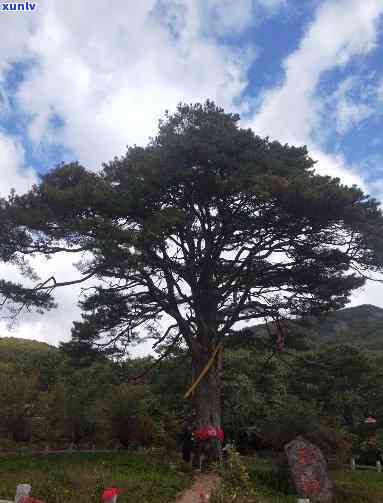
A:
71	447
309	471
21	491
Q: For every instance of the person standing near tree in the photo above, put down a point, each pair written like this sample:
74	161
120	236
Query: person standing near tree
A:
187	443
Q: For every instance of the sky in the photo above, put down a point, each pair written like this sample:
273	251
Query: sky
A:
82	80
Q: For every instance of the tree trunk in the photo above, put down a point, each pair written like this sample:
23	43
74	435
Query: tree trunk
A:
207	400
207	395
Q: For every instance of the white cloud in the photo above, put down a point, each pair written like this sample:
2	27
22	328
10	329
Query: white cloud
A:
191	18
347	107
335	166
272	5
110	84
350	114
370	293
54	326
13	173
289	112
226	16
15	32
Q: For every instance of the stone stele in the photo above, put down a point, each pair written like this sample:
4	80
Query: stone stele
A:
309	471
22	490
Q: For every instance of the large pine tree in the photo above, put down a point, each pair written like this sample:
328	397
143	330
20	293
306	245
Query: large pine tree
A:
209	224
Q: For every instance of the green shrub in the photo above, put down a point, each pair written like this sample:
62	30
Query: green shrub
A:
295	418
236	486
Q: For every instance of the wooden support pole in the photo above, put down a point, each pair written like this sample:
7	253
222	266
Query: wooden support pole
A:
204	372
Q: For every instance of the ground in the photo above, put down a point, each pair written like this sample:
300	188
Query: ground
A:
203	485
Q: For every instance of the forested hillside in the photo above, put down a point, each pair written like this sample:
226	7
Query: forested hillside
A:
16	350
326	380
360	326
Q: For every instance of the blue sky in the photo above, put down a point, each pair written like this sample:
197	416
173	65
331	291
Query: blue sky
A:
83	80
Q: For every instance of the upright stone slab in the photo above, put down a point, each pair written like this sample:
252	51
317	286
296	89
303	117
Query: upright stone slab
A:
309	471
22	491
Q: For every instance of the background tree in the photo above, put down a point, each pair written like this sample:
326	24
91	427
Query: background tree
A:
341	379
18	398
208	224
31	356
252	385
131	411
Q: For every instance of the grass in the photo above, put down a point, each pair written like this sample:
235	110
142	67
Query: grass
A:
266	482
80	478
148	477
359	486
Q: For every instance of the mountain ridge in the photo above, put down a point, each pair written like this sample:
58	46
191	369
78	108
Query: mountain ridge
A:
360	326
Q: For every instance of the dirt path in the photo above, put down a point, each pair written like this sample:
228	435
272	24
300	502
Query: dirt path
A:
203	483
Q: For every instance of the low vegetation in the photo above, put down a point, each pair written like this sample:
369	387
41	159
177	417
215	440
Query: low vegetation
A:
54	397
80	478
